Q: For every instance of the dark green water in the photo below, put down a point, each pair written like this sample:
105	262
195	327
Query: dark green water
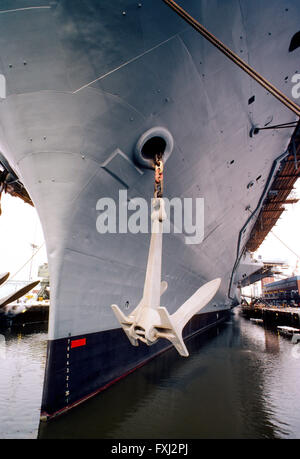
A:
240	381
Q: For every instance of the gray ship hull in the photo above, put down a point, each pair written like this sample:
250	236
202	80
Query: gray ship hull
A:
85	80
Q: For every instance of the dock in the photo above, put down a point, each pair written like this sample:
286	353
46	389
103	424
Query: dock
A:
37	313
290	332
273	315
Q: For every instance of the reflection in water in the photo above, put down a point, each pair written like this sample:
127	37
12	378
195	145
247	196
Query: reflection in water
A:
272	342
22	362
240	381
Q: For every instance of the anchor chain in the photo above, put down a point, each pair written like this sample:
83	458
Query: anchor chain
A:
159	176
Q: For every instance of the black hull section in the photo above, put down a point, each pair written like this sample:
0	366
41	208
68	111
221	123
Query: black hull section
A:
79	367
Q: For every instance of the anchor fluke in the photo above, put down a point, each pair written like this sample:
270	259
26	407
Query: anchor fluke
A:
125	323
195	303
148	324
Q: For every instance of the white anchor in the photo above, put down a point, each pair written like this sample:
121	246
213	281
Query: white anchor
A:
149	321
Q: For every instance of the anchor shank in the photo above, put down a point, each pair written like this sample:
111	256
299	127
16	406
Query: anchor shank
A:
151	295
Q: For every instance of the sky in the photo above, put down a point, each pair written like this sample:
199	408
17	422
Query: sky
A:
20	227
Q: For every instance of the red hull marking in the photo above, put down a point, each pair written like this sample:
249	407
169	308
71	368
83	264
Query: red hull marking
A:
78	342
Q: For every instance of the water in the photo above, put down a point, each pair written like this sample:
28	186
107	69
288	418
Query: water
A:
22	364
240	381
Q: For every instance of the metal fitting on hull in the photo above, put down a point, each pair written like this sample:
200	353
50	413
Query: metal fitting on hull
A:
157	140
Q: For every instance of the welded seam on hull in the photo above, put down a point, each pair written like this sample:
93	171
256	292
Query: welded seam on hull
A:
119	263
25	9
126	63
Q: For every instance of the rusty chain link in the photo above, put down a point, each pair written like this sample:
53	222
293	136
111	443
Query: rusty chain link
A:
159	177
